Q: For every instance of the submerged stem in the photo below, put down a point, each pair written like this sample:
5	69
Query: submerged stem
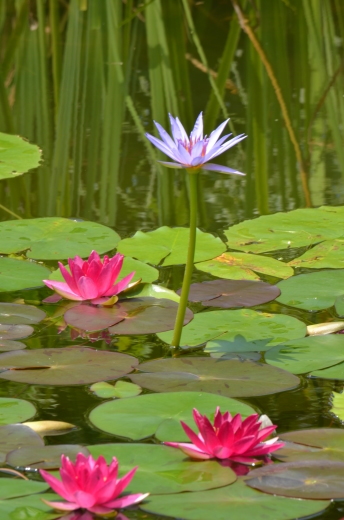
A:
189	262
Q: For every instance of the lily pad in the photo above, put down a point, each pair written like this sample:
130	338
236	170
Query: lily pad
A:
14	410
15	313
243	266
11	488
151	290
160	414
298	228
339	305
312	444
337	407
237	345
232	378
303	479
130	316
232	293
164	470
306	354
16	275
15	331
312	292
29	508
329	253
121	390
168	246
334	372
54	238
64	366
6	345
17	156
237	501
44	457
13	436
226	325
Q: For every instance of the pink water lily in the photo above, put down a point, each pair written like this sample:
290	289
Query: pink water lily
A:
91	279
196	151
228	438
92	485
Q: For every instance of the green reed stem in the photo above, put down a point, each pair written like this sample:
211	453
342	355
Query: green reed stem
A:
178	326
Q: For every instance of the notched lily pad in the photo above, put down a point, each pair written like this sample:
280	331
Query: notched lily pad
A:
16	275
232	378
303	479
14	436
44	457
17	156
329	253
312	444
121	390
15	313
232	293
64	366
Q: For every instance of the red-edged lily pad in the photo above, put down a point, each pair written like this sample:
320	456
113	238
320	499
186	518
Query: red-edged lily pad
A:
64	366
13	436
232	293
312	444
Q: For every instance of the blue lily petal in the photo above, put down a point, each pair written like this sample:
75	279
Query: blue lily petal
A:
220	169
197	132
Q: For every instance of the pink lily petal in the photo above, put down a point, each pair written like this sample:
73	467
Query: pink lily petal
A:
63	290
193	437
62	506
121	285
54	298
190	449
85	500
56	485
127	500
87	288
68	278
124	482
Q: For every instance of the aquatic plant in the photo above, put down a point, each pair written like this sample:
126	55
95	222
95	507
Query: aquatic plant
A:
192	153
91	279
228	438
91	484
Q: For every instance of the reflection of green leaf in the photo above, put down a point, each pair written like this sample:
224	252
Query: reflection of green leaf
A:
164	470
238	344
17	156
54	238
169	245
337	407
20	274
314	291
122	389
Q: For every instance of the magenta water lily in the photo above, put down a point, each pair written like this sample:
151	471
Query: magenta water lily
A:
196	151
92	485
91	279
228	438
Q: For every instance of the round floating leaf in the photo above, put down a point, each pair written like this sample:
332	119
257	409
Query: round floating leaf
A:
120	390
64	366
13	436
225	325
50	427
243	266
11	488
302	479
237	501
329	253
232	293
237	345
339	305
15	313
153	291
44	457
16	275
15	410
7	345
15	331
17	156
54	238
160	414
337	407
301	227
29	508
334	372
306	354
169	246
232	378
312	292
312	444
164	470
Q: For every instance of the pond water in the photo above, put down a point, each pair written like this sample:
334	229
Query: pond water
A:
84	79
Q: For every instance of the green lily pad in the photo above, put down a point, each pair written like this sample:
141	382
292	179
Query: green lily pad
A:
312	292
329	253
17	156
227	324
333	372
129	316
13	436
311	479
152	291
237	501
307	354
164	470
232	378
16	275
298	228
15	331
243	266
44	457
64	366
11	488
160	414
121	390
14	410
312	444
337	407
232	293
54	238
7	344
15	313
29	508
237	345
339	305
169	246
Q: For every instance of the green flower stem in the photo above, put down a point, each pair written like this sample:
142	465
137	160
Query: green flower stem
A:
190	259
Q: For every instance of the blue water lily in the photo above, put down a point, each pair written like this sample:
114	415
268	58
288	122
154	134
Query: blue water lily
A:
195	151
